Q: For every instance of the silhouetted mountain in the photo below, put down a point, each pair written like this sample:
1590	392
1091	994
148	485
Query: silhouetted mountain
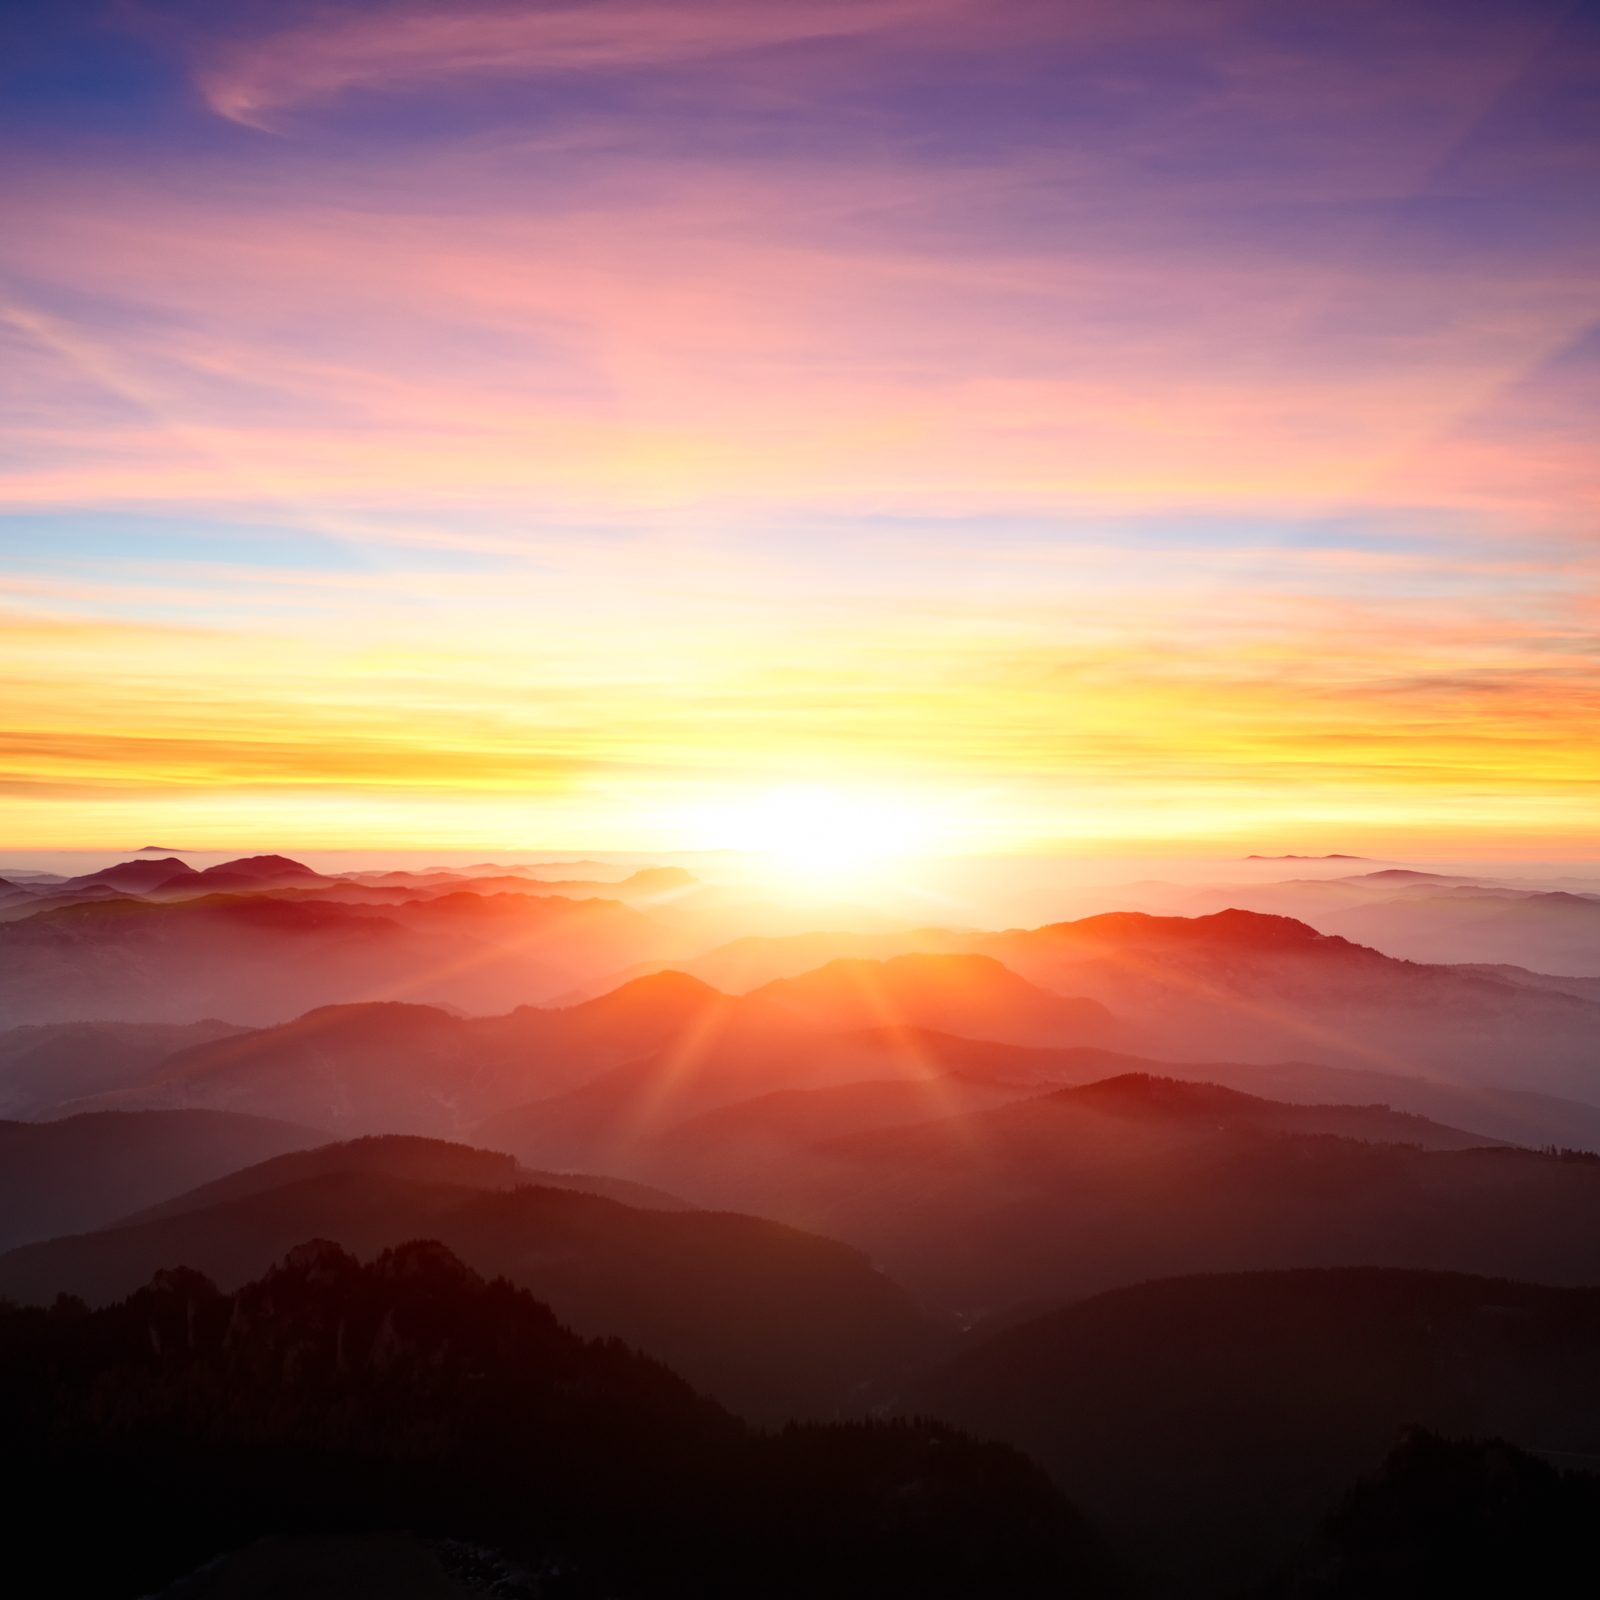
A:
970	995
401	1156
772	1321
1211	1421
258	958
747	963
1453	1517
1333	856
34	901
46	1065
135	876
248	872
417	1069
1253	987
1163	1178
333	1398
1557	933
779	1037
86	1171
1145	1096
1511	1116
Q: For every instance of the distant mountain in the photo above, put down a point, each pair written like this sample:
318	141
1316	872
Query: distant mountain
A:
785	1036
401	1156
248	872
1511	1116
45	1065
1244	986
1555	932
770	1320
337	1399
1210	1422
967	1208
38	898
258	958
971	995
135	876
87	1171
1334	856
393	1068
747	963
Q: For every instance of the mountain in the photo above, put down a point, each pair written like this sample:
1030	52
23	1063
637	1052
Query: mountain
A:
785	1035
248	872
1555	932
971	995
387	1067
1334	856
1168	1177
257	958
86	1171
1209	1422
413	1398
47	1065
400	1156
1511	1116
1249	987
772	1321
34	900
747	963
135	876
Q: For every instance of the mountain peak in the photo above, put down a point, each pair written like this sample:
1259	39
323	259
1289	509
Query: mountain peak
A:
1147	1091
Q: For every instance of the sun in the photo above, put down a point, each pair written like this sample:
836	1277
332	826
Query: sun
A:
819	837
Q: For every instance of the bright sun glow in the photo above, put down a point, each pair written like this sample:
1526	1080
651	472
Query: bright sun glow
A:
817	836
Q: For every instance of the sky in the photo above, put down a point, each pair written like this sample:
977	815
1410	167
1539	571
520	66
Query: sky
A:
1018	425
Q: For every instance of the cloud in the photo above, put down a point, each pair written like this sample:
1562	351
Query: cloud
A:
405	46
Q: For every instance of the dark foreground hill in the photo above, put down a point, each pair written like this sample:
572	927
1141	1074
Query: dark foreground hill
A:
1209	1422
772	1321
410	1394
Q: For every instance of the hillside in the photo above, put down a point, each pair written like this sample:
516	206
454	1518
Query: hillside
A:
1212	1421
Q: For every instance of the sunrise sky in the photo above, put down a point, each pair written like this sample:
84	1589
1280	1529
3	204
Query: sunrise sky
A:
1067	424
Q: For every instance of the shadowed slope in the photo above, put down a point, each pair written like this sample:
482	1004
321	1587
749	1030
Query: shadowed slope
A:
402	1156
1211	1420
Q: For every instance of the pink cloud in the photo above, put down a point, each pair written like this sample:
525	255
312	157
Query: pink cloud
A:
408	45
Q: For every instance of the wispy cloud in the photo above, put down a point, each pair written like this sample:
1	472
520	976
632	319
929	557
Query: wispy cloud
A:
328	54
